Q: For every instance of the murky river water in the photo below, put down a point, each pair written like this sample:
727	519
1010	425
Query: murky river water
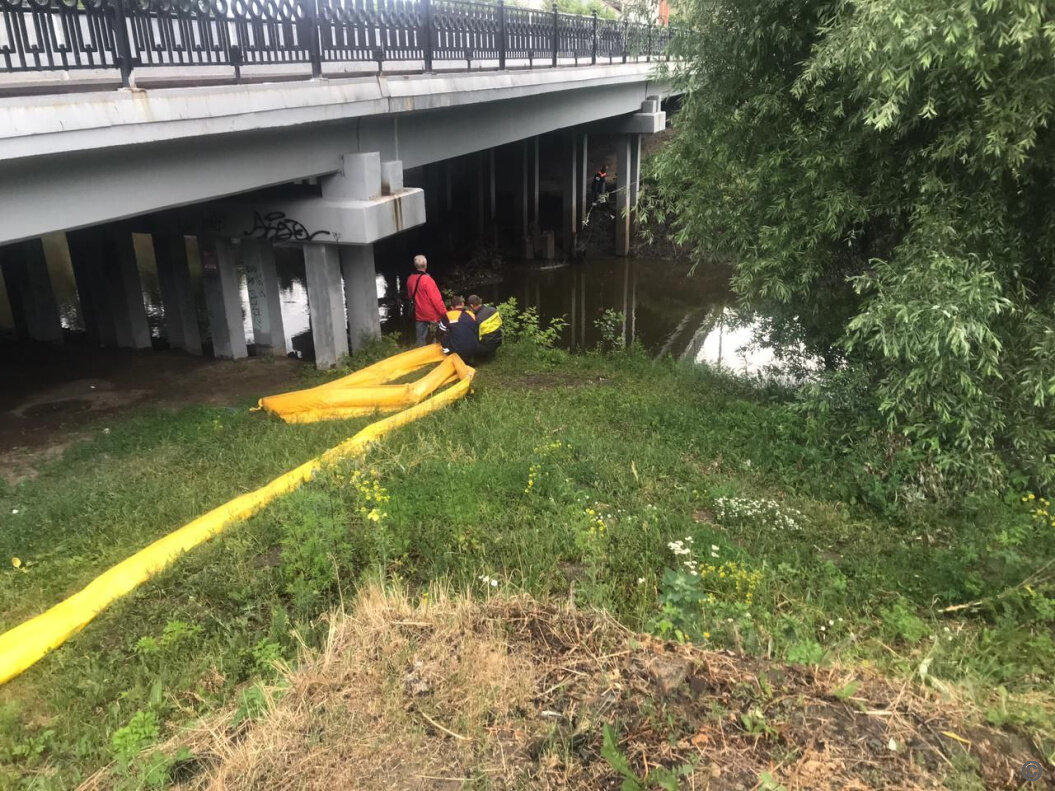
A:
665	308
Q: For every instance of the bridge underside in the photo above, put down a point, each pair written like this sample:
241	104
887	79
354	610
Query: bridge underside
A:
239	169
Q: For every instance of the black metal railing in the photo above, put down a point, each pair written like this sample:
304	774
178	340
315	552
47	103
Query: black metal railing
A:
61	35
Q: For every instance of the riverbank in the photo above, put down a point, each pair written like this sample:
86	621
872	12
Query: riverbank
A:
606	480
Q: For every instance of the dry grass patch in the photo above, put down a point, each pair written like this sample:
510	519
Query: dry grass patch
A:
512	693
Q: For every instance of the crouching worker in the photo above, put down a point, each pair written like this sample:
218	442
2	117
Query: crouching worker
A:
457	330
489	324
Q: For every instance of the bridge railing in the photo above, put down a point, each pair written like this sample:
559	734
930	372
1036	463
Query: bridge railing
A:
62	35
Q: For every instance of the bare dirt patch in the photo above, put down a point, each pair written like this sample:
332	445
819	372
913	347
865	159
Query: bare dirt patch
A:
516	694
53	395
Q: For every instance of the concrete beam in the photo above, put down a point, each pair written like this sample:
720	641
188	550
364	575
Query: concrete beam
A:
321	220
584	175
329	332
177	297
222	297
624	171
29	291
635	170
47	124
360	295
569	167
192	162
265	302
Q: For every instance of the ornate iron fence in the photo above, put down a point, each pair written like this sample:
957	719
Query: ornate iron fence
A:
60	35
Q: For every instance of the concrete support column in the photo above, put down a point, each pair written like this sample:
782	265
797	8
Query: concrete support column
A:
87	254
322	265
360	294
448	185
570	191
635	170
222	299
177	297
130	315
265	303
624	174
584	176
29	291
485	190
534	183
524	193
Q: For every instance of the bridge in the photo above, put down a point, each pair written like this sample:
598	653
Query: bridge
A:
318	123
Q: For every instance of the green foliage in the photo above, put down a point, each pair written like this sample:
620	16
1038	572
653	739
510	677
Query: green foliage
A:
585	8
140	732
879	172
658	777
628	457
525	328
610	326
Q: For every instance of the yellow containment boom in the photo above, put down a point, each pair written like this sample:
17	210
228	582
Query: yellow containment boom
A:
24	645
365	391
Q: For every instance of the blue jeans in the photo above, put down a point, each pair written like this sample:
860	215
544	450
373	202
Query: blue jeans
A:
424	329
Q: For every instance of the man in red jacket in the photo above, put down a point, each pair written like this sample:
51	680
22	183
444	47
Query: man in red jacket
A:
424	294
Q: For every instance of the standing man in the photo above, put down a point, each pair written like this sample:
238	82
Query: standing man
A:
424	296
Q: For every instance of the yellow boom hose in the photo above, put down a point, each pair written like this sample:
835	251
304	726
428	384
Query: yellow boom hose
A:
27	643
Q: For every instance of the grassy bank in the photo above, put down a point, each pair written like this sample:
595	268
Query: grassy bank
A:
681	501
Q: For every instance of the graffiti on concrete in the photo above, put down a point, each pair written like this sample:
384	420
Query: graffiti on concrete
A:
275	226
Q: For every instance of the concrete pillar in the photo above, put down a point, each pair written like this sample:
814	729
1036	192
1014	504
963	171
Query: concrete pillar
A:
177	296
492	197
433	192
29	291
265	303
322	266
524	193
360	294
222	298
448	185
485	190
624	170
130	315
87	254
534	183
584	177
569	187
635	170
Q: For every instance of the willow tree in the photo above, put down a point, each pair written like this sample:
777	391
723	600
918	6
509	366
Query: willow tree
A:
881	173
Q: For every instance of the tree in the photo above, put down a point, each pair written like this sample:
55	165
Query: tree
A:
881	174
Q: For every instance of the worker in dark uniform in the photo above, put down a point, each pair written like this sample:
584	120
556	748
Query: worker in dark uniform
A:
457	330
600	183
489	326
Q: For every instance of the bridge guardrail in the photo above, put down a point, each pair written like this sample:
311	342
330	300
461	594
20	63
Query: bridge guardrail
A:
66	35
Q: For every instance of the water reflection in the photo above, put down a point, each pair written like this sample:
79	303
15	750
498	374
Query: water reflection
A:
732	341
664	308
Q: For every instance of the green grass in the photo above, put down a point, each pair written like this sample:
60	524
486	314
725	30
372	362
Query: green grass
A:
648	447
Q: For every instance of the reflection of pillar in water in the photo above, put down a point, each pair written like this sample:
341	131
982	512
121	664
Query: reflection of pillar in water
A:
633	307
574	305
582	310
626	295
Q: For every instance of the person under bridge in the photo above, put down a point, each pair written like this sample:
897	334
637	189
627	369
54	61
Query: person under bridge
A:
457	330
489	325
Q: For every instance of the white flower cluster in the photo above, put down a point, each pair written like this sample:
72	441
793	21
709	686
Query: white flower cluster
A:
764	513
488	580
683	548
679	548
